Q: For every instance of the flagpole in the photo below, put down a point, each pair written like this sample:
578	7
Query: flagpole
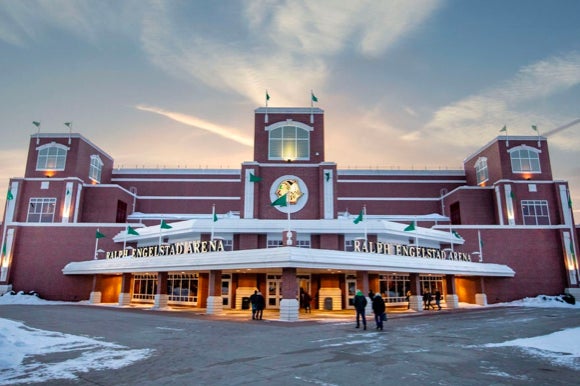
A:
415	230
96	246
160	232
289	233
452	235
480	248
125	238
212	222
266	116
505	130
365	221
535	128
311	106
69	125
37	124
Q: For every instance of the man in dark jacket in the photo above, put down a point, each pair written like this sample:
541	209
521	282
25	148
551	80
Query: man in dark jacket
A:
260	305
378	310
360	303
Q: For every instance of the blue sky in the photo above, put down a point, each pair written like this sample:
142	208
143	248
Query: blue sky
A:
404	84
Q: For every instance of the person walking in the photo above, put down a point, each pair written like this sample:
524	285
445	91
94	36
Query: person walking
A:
408	298
438	299
260	305
307	300
253	304
379	309
360	303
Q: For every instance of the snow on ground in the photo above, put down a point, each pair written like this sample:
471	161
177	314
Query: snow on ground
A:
20	344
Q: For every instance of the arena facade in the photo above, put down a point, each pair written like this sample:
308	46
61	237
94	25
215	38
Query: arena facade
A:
288	222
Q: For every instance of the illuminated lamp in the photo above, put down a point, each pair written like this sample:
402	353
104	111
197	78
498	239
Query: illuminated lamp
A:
49	173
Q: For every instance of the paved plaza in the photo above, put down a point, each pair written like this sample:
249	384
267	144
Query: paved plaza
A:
429	348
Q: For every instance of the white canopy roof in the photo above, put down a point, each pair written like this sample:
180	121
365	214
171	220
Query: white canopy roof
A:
287	257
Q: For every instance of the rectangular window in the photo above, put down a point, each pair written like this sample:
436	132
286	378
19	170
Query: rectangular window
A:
51	158
41	210
481	170
96	168
535	212
276	243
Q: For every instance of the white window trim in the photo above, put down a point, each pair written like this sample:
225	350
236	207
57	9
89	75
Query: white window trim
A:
51	145
528	148
480	165
100	164
288	122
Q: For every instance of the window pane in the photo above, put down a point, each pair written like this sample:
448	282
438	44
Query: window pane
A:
302	151
277	133
301	133
289	132
275	149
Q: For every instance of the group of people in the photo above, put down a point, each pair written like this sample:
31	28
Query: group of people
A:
258	303
428	298
379	309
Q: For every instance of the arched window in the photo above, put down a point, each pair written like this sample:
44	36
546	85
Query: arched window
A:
289	141
481	170
51	156
96	168
525	159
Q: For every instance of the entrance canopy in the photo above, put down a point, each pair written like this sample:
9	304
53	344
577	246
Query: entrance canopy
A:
287	257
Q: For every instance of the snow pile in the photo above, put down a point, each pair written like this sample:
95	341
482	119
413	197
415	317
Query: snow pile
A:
30	298
562	347
545	301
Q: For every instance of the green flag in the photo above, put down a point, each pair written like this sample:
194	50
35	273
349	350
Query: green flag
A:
267	96
280	201
131	231
456	234
504	129
99	235
314	98
36	123
164	225
68	124
67	192
254	178
512	195
535	128
410	227
569	202
4	249
9	195
215	218
327	175
359	218
572	248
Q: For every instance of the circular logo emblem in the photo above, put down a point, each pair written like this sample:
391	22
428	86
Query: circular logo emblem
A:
295	191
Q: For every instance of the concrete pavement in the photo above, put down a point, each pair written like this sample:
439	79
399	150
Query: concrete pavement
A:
430	348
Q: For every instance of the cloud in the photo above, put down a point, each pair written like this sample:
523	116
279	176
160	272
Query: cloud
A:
464	121
25	22
225	132
279	46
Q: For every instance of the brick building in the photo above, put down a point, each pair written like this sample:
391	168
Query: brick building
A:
77	228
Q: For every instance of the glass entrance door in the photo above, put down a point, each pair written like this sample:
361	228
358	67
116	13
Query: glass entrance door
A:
227	291
274	291
350	291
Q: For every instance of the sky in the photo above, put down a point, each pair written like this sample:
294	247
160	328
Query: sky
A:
404	84
21	343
